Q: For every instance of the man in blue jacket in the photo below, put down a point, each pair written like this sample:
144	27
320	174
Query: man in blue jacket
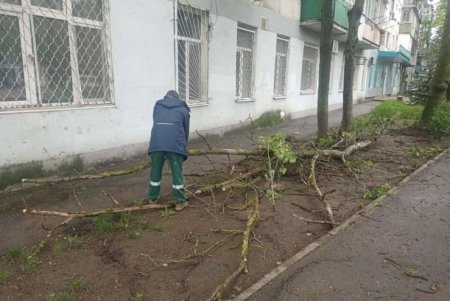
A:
168	140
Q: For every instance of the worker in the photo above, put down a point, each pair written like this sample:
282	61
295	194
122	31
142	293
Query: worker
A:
170	133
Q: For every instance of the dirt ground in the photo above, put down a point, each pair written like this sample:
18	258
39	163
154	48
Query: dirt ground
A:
146	258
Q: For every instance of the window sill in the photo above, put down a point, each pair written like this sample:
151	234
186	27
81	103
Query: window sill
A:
198	105
282	97
239	100
41	109
307	92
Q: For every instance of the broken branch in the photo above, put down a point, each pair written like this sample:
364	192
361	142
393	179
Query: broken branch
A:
96	212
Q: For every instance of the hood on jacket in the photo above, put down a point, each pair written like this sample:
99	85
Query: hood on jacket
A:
170	102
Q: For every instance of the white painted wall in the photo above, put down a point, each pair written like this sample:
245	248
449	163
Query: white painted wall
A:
143	65
406	41
141	34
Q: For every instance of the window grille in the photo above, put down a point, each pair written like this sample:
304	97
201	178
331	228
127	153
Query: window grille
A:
192	49
54	52
309	69
281	63
244	63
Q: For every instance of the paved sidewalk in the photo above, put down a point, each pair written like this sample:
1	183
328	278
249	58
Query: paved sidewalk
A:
399	251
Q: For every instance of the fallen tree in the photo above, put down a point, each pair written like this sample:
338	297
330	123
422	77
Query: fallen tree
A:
245	177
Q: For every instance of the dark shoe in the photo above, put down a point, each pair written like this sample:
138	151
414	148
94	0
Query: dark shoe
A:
181	206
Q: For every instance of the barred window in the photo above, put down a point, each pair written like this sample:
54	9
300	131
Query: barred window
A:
309	68
244	63
281	62
54	52
192	49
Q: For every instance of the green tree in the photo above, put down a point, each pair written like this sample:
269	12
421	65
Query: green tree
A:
326	48
354	18
441	77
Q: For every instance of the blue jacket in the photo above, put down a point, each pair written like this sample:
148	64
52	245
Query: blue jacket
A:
170	130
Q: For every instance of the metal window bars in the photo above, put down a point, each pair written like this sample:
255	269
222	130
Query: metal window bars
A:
281	63
191	54
54	52
309	69
244	63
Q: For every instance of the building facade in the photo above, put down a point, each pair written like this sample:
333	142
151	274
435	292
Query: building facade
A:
80	77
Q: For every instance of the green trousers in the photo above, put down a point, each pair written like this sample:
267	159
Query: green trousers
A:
176	169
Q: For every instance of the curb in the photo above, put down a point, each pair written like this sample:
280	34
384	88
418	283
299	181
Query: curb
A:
330	235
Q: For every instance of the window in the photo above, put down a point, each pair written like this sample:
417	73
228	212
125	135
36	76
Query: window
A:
309	68
406	15
244	63
281	62
192	55
54	52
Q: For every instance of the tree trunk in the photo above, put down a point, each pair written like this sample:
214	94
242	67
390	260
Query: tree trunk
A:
441	78
326	45
354	17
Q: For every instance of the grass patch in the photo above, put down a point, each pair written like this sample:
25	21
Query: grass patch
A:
58	247
75	242
133	234
156	227
375	192
424	153
79	285
440	122
4	276
267	119
106	222
167	213
391	113
138	297
27	262
60	297
359	165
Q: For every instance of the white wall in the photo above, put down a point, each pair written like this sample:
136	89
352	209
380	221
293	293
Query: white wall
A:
143	65
140	34
406	41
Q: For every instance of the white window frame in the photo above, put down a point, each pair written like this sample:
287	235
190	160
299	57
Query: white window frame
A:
316	63
25	13
203	42
279	55
407	15
241	50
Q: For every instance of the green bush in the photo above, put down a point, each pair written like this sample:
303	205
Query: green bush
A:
440	122
325	142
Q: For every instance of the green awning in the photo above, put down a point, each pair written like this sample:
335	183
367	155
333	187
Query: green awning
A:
401	57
